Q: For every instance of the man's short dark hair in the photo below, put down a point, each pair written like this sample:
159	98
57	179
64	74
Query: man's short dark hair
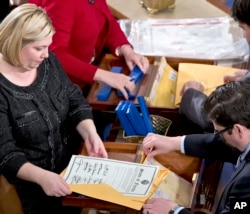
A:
241	11
229	104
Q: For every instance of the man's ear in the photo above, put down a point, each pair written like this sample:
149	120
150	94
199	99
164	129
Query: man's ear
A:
239	130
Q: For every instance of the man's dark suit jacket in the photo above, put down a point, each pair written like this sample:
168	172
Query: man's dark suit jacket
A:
209	146
192	106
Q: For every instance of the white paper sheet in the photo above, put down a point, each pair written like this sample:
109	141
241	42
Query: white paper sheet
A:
126	177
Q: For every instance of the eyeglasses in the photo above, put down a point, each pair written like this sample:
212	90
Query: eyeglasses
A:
218	133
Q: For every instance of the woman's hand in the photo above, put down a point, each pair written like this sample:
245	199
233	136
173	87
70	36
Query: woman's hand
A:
51	183
95	146
92	140
120	82
133	58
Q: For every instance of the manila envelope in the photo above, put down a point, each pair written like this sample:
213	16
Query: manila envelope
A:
163	91
210	76
107	193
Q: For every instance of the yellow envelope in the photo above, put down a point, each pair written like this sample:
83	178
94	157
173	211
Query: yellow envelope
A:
107	193
163	91
210	76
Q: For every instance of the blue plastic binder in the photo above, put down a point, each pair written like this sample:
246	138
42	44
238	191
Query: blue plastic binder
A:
105	90
121	114
145	114
136	120
136	76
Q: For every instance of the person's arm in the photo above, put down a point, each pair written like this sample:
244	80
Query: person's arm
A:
191	106
67	18
119	45
236	76
80	115
192	103
80	112
209	146
93	142
163	206
154	144
246	77
51	183
119	81
14	163
116	37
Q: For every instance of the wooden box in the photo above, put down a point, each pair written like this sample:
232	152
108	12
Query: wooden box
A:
133	153
109	60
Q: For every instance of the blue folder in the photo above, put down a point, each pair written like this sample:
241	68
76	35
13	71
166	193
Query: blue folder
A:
145	114
136	120
121	114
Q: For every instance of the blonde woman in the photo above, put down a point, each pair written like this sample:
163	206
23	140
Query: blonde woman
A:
41	113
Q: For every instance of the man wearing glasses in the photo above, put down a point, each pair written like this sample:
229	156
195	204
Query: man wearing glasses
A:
193	97
228	108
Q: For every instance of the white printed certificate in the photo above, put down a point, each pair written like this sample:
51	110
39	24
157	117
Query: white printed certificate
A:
129	178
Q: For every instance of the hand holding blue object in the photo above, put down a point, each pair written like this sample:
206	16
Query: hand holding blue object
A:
105	90
136	75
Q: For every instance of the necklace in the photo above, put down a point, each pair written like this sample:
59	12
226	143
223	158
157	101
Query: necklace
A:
91	1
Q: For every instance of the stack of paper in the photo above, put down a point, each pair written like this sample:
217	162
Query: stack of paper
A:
126	183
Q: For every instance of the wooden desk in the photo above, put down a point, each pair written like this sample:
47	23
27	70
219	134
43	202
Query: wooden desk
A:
220	5
173	161
108	61
118	151
128	152
132	9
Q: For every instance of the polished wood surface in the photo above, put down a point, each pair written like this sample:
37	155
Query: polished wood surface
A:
132	9
109	60
129	152
220	5
117	151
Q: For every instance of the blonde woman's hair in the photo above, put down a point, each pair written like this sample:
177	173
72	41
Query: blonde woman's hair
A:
25	24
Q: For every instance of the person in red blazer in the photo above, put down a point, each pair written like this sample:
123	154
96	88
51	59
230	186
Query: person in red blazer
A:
84	29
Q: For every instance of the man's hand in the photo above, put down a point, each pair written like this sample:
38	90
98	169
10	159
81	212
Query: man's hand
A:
236	76
191	84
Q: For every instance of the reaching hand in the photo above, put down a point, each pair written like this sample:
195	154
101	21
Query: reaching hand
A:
236	76
120	82
158	206
154	144
95	146
133	58
191	84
